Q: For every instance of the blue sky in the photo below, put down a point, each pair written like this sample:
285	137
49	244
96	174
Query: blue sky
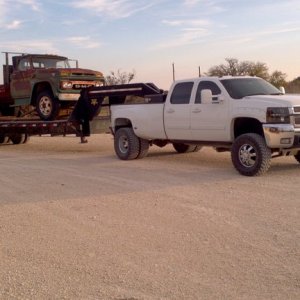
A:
148	36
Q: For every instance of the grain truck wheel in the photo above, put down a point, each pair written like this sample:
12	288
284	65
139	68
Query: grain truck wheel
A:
47	106
18	138
250	154
4	139
126	144
185	148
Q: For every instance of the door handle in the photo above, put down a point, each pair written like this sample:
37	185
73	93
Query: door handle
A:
196	110
170	110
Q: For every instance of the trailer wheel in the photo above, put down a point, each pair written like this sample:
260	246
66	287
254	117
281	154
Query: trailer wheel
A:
4	139
185	148
126	144
144	148
19	138
250	155
47	106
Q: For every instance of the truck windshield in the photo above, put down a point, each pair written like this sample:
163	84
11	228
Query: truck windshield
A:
239	88
46	63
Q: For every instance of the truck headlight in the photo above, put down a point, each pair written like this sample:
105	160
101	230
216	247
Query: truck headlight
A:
278	115
98	83
66	85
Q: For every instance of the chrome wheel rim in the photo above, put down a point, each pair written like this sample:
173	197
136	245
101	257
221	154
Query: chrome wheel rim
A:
45	106
247	155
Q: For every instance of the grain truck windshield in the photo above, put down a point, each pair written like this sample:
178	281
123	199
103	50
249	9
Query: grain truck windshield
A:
47	63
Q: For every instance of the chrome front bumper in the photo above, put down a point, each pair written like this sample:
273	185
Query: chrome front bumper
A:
68	97
281	135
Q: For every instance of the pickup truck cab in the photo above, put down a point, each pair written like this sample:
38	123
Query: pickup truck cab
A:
245	115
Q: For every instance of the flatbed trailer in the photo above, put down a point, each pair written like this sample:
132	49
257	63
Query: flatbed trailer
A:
85	119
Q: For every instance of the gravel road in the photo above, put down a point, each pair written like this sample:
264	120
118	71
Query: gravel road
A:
78	223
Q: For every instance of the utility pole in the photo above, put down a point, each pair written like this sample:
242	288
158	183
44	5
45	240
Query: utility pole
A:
199	69
173	67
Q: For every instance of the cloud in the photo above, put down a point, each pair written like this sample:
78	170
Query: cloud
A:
187	22
84	42
14	24
187	36
191	31
20	7
30	46
190	3
115	9
33	4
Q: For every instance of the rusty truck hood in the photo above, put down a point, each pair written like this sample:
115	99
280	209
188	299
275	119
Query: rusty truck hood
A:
78	72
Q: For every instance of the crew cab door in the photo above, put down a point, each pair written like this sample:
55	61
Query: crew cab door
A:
209	121
177	112
21	80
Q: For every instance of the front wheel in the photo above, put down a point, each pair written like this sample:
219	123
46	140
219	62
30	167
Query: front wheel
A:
126	144
47	106
250	155
297	157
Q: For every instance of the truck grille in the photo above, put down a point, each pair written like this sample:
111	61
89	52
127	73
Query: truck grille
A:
297	120
296	116
78	86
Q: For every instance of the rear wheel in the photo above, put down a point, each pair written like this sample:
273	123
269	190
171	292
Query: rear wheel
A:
47	106
4	139
185	148
126	144
19	138
250	154
144	148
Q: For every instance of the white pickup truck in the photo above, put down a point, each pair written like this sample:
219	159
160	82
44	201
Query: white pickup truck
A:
245	115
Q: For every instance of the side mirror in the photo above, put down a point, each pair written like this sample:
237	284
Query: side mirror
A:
282	90
206	97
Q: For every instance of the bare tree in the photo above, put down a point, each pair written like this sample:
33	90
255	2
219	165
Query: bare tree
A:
119	77
277	78
293	86
235	68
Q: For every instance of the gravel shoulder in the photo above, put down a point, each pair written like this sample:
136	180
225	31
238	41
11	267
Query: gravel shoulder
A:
78	223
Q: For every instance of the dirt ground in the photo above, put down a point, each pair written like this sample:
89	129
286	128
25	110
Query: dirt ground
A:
78	223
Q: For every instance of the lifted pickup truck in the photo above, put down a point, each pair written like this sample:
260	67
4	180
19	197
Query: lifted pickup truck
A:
46	82
245	115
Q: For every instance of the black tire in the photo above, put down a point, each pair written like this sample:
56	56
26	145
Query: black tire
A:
250	155
144	148
19	138
126	144
297	157
185	148
197	148
4	139
47	106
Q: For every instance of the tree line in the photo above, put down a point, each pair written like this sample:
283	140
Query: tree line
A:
233	67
